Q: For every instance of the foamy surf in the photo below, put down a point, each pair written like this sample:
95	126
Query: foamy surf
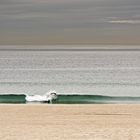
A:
48	97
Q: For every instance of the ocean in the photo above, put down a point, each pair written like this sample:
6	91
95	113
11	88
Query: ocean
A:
78	76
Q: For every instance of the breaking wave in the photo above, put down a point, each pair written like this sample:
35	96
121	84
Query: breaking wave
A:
68	99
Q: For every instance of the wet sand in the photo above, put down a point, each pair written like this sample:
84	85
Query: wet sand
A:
69	122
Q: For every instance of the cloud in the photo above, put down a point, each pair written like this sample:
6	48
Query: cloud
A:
125	21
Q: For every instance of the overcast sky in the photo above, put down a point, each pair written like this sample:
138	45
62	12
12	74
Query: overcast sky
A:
69	22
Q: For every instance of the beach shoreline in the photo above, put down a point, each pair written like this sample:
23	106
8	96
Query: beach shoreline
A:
70	122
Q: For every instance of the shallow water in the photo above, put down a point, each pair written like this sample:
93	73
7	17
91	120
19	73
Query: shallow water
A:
112	73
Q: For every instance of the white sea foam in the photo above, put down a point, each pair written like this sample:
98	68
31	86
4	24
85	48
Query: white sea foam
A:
48	97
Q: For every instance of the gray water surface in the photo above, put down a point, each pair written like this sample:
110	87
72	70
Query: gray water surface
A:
113	73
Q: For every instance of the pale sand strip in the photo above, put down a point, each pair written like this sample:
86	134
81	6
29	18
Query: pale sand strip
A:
69	122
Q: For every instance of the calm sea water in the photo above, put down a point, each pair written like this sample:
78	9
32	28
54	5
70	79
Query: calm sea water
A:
112	73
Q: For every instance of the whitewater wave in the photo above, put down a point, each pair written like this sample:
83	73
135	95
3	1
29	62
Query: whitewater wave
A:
48	97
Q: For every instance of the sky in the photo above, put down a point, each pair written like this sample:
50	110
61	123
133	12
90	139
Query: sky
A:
52	22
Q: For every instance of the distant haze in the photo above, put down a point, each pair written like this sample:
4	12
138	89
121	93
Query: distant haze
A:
51	22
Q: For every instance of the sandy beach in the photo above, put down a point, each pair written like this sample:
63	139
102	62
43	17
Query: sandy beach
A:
69	122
